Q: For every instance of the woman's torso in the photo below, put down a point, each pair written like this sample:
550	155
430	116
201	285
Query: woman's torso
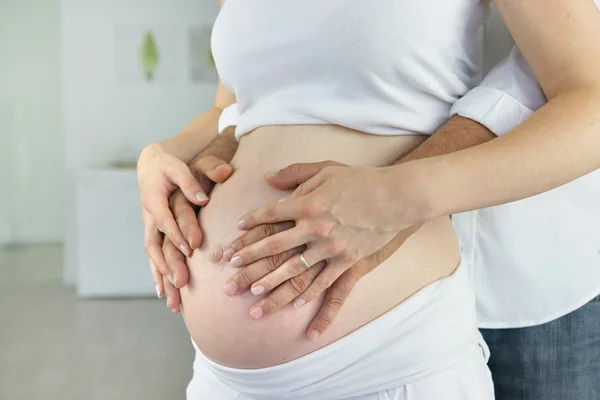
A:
302	70
385	67
221	326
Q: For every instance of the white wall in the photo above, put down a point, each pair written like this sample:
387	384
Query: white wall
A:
31	138
106	118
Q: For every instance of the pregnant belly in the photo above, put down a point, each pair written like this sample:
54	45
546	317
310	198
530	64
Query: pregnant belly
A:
221	326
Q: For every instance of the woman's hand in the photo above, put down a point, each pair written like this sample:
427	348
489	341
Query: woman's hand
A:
166	185
295	289
341	215
159	175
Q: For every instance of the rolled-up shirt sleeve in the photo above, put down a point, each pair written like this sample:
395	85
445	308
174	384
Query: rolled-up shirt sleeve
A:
507	96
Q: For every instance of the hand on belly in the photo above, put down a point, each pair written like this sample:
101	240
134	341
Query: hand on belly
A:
221	325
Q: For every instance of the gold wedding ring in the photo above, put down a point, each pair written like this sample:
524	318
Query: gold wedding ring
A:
303	261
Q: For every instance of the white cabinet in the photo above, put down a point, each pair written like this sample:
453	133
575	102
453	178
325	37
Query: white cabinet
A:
108	239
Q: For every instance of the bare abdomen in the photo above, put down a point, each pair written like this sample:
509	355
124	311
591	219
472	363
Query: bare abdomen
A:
221	326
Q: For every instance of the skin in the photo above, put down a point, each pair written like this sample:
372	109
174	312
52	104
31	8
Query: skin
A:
458	133
525	162
163	170
333	212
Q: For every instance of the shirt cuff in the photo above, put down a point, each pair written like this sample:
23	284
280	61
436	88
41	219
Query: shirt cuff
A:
229	117
493	108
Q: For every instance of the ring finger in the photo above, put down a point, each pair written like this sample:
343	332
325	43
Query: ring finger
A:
272	245
287	292
295	266
241	281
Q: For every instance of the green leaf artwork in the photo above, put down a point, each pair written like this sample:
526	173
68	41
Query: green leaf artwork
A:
149	55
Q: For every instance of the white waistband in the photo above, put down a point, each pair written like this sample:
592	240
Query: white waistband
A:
417	338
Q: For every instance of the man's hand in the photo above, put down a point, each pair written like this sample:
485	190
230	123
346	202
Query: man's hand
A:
297	289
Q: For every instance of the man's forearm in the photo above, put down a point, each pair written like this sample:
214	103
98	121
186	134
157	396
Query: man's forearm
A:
457	134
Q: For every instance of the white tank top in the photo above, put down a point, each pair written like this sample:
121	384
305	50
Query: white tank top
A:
385	67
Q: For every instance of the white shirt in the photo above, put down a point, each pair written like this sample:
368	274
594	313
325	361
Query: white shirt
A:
383	67
537	259
534	260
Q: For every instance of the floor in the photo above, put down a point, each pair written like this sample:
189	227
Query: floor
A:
54	346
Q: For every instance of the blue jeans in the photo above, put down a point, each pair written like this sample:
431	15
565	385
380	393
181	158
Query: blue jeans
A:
559	360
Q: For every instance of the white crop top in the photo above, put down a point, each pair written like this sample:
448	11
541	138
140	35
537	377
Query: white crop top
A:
385	67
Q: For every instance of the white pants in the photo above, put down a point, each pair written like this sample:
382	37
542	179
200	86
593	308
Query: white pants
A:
467	379
427	348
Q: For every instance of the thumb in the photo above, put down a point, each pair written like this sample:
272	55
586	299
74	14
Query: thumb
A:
180	174
214	168
296	174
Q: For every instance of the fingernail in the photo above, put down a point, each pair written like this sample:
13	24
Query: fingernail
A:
227	254
237	261
218	254
271	174
242	224
183	250
171	278
313	335
230	289
201	196
299	303
256	312
280	200
158	292
256	290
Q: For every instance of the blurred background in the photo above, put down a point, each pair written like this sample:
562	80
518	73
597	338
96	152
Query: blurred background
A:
84	86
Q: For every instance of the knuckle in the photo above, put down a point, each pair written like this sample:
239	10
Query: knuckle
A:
244	278
178	198
274	246
348	259
334	302
298	284
324	319
273	262
300	190
271	303
326	282
334	247
160	225
238	244
268	230
189	183
270	212
346	283
321	230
